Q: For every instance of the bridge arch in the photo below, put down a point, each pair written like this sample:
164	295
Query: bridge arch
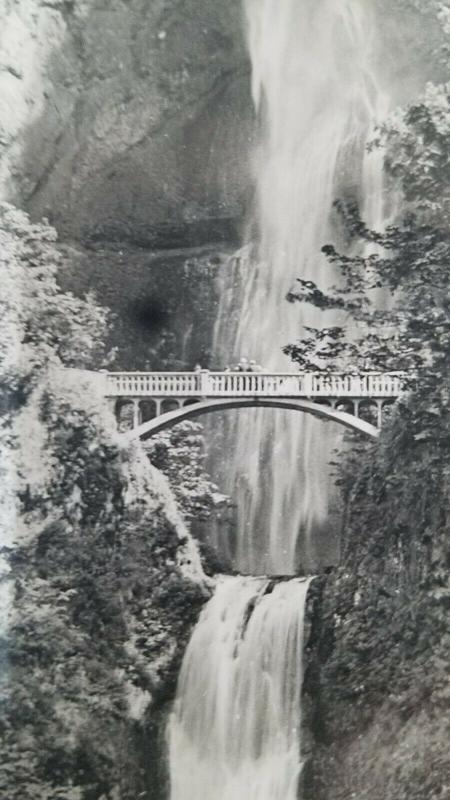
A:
166	420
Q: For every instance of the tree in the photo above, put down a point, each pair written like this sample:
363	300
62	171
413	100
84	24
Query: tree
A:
41	324
180	454
410	261
98	579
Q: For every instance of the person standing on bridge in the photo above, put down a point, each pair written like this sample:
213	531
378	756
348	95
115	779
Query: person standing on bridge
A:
243	365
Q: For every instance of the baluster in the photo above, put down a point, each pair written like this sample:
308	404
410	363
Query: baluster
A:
307	384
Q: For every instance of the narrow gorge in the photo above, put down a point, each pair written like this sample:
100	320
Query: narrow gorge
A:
255	604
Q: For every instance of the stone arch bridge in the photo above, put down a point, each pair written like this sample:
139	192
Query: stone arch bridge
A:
158	400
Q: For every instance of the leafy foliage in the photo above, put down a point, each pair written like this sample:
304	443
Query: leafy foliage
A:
180	454
378	674
100	609
409	262
40	323
99	606
414	332
416	145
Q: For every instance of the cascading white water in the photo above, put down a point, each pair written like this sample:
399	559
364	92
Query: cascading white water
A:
317	95
235	730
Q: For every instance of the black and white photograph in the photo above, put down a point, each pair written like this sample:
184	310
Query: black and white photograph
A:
225	400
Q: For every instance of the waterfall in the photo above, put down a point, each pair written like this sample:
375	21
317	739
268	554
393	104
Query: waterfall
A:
235	730
317	96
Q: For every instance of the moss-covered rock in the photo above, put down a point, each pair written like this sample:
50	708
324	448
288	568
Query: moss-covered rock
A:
377	684
100	580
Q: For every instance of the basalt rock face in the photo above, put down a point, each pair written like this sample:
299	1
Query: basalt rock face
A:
164	302
129	120
376	686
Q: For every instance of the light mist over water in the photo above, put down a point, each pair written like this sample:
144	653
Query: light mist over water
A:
235	730
319	88
317	97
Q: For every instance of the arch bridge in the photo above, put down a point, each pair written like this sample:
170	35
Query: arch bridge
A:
146	403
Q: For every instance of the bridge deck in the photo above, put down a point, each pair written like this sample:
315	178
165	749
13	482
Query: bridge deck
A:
253	384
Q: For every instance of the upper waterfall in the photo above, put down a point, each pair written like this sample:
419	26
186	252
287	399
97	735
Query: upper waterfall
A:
317	96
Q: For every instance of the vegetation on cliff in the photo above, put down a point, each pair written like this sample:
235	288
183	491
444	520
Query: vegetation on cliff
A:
377	680
100	580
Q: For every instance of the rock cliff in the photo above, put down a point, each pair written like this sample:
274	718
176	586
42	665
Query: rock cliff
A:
126	119
376	686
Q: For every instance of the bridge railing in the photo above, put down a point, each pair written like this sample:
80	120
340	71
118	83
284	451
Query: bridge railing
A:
249	384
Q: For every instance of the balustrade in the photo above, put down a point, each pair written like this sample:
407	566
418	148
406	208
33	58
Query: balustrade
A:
249	384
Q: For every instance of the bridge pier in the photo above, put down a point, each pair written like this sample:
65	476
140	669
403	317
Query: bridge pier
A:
379	404
136	414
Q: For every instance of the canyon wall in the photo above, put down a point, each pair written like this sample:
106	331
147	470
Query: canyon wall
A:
376	687
126	120
128	126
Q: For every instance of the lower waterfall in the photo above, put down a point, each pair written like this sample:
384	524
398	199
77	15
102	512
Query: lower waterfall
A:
235	729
